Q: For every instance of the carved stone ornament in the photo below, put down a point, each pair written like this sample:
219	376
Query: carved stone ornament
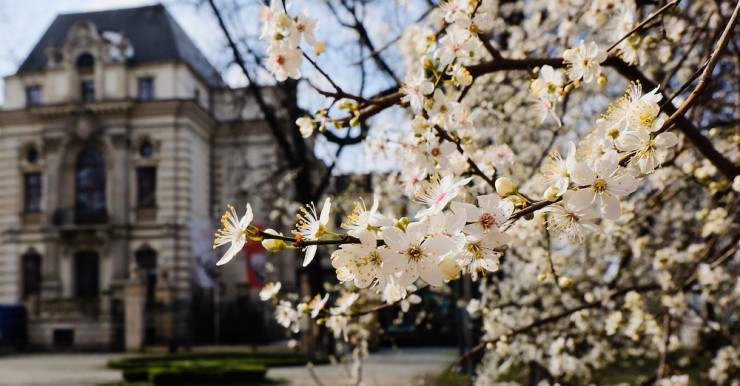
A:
81	37
53	57
85	127
52	144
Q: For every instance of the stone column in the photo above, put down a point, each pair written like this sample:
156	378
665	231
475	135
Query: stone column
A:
134	297
164	318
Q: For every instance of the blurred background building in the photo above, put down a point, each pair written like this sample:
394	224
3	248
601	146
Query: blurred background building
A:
120	144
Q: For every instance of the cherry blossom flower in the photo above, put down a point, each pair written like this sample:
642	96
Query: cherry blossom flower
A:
362	219
312	226
344	302
555	172
284	61
234	232
479	253
546	108
603	184
338	325
415	87
455	9
449	224
364	264
570	222
413	180
305	26
420	255
269	291
548	84
647	151
270	17
490	214
305	125
317	304
438	193
584	61
455	44
287	316
635	111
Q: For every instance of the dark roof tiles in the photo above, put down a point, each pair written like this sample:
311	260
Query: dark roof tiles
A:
154	34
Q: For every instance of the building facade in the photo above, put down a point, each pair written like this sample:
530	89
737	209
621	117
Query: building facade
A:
118	142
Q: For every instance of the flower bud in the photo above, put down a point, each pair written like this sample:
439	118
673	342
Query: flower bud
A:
273	245
714	132
602	79
736	184
401	223
319	48
551	194
427	63
282	20
450	269
504	187
565	281
542	277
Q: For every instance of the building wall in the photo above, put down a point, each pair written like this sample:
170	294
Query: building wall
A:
210	147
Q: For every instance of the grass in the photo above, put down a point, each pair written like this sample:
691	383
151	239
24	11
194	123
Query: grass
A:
205	368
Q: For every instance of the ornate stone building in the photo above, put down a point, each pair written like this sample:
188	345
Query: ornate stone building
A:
116	143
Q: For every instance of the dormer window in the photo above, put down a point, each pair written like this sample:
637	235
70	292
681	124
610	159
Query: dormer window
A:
146	89
33	95
87	90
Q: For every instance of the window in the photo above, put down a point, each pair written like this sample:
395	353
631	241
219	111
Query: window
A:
85	61
90	187
146	89
32	192
87	91
31	274
33	95
146	150
146	178
32	156
86	274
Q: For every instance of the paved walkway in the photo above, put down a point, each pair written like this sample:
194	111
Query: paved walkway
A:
406	367
59	369
412	366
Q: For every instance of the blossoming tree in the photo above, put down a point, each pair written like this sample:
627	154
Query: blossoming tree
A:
599	224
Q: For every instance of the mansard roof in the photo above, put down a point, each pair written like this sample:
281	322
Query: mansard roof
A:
152	31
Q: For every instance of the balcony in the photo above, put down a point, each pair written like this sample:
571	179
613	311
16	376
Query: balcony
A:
69	309
75	216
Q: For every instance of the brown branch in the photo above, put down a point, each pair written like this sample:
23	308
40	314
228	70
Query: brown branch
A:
444	134
707	75
551	319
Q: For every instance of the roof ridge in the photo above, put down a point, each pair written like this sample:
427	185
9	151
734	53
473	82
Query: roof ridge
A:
157	5
152	30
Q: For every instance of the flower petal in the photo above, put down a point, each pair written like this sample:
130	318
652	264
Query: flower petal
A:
310	253
395	238
611	208
430	272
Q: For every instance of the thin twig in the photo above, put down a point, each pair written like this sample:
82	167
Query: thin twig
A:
643	23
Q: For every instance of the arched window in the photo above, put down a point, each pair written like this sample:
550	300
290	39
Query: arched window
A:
90	187
85	62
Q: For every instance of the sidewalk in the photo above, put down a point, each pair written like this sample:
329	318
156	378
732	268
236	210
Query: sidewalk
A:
57	369
412	366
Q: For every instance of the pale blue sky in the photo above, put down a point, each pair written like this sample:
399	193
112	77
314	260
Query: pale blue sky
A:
22	22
